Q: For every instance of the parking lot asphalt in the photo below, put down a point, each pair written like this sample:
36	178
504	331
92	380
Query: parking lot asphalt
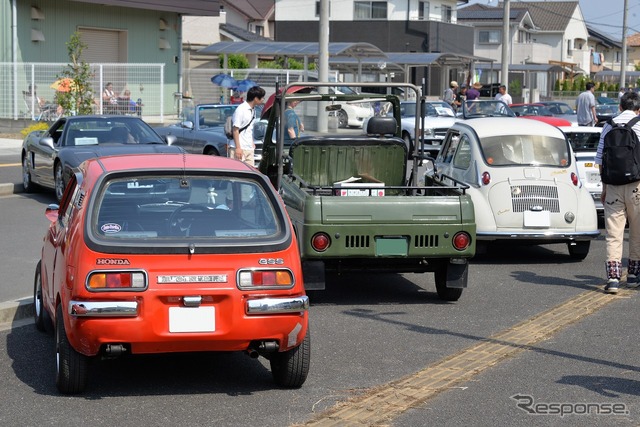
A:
13	310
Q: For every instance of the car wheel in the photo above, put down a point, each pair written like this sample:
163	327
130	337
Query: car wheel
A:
445	293
579	250
211	152
41	316
59	181
408	143
27	183
71	366
343	119
290	368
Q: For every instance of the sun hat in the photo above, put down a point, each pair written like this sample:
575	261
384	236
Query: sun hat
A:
477	85
453	83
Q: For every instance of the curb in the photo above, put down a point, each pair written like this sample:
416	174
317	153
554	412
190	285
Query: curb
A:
8	189
12	311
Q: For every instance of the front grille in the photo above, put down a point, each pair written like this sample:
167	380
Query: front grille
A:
425	241
440	132
524	197
356	241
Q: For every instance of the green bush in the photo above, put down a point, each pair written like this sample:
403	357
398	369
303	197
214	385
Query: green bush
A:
235	61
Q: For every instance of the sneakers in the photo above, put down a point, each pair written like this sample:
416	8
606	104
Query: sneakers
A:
612	286
632	281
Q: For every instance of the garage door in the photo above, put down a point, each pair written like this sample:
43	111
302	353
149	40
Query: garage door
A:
103	46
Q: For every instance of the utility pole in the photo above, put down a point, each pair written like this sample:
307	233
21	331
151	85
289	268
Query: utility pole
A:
323	60
504	73
623	59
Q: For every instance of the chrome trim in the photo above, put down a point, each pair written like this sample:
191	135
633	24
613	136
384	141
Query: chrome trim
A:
103	308
192	301
542	235
277	305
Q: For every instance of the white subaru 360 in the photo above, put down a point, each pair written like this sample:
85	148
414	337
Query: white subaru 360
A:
523	181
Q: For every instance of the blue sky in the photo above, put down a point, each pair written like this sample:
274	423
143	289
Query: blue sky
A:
605	16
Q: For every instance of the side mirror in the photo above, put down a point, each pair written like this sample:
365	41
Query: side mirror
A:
518	114
171	139
429	168
187	124
52	212
46	142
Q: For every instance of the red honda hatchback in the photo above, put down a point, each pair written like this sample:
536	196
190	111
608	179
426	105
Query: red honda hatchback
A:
171	253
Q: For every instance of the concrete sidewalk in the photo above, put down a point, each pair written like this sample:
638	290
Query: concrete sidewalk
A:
11	311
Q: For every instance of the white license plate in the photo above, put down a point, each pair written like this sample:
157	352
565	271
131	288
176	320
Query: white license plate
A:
593	177
537	219
192	319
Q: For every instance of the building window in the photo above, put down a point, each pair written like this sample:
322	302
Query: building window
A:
370	10
318	8
489	36
446	13
259	30
569	50
524	37
423	10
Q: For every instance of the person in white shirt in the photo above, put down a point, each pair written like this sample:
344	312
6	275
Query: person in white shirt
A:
503	96
242	147
621	206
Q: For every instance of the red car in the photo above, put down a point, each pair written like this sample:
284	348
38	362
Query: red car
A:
538	112
171	253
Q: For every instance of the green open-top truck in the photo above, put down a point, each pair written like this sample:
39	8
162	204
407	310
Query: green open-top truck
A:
354	198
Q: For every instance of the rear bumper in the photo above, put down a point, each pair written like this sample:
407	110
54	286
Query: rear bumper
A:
541	235
222	324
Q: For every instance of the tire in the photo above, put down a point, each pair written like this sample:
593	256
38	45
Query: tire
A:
343	119
444	293
59	184
27	183
71	366
407	140
41	316
290	368
211	152
580	250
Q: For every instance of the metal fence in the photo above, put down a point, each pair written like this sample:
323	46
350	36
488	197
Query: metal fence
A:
145	83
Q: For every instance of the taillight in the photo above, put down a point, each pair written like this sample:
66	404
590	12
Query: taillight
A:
486	178
320	242
117	280
574	178
461	241
265	279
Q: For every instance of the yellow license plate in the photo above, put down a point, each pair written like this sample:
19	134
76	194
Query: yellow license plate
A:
588	164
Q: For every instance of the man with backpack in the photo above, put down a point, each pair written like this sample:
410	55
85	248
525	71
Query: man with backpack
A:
618	157
241	146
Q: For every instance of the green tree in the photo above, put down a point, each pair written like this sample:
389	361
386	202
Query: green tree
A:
515	87
78	96
235	61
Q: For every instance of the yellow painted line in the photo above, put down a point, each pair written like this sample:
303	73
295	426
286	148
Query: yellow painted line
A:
378	406
10	164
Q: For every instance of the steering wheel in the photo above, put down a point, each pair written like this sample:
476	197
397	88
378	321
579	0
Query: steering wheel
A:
181	219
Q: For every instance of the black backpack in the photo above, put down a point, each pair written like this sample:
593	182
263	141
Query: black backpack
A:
621	154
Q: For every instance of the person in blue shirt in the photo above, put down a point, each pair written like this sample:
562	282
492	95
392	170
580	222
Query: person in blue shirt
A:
293	126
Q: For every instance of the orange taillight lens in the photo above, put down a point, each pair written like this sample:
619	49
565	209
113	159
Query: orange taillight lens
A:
265	278
117	280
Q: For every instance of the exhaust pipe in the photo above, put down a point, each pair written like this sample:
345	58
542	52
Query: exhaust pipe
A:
253	353
262	348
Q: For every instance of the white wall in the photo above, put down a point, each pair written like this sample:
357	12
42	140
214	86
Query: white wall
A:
342	10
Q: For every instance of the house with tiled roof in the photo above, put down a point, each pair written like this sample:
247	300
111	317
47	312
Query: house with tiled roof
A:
540	32
239	20
605	52
633	49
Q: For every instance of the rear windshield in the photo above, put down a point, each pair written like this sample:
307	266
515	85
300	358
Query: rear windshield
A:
215	208
583	141
535	150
